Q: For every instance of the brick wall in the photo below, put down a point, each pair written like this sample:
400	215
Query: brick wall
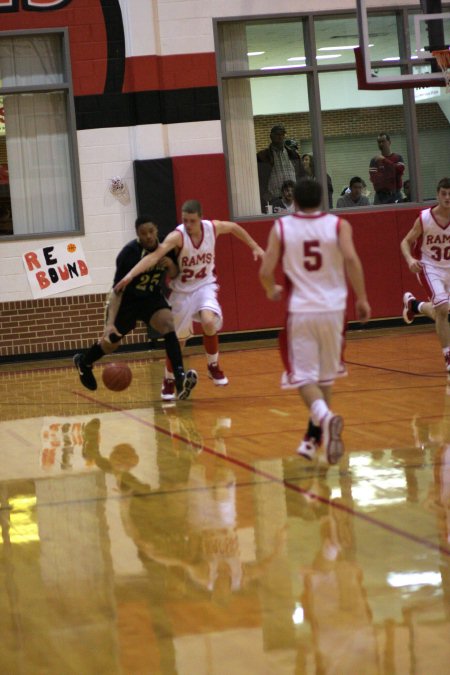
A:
350	122
59	324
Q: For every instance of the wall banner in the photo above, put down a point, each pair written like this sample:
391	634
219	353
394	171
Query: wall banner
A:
56	268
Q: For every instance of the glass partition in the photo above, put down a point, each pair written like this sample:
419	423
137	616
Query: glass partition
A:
297	109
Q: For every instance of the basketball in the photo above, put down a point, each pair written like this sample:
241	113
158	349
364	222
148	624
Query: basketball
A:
116	376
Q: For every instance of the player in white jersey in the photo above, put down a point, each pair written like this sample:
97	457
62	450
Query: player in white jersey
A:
426	249
195	289
316	250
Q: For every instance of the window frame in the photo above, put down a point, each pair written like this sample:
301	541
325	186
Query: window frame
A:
312	69
66	86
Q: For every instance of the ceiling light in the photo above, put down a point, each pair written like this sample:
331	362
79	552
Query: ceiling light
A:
391	58
328	56
255	53
333	49
298	65
297	58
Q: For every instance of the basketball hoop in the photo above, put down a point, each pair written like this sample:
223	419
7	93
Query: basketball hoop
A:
442	57
119	190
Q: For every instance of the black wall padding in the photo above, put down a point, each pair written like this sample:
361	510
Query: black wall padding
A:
112	109
155	193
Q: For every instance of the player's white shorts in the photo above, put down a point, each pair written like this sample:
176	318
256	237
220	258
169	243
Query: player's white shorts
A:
436	281
186	308
311	347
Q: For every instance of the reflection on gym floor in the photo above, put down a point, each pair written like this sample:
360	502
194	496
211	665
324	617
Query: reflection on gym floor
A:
190	539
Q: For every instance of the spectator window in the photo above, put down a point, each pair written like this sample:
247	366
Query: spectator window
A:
39	181
299	72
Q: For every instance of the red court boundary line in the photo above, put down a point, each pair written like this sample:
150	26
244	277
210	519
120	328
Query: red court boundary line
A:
274	479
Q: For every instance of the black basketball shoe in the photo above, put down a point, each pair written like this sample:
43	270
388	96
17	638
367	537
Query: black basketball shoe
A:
185	382
87	377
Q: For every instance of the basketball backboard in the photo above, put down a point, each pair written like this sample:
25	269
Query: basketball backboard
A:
411	62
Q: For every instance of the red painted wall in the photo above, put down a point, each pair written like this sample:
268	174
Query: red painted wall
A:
377	235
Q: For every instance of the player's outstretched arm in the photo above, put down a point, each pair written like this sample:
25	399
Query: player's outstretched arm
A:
170	266
150	260
227	227
407	243
269	262
354	270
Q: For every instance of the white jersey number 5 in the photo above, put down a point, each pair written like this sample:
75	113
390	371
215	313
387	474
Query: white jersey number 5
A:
312	255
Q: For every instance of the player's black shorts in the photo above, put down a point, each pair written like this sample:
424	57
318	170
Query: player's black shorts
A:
138	309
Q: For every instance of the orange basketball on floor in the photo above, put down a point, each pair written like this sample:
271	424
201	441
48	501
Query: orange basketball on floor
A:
117	376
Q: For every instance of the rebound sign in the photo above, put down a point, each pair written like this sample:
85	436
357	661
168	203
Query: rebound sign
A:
56	268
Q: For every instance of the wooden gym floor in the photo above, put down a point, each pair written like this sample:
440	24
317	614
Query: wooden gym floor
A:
144	538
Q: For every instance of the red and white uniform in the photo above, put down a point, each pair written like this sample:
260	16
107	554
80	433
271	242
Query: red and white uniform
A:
195	287
317	294
433	250
212	516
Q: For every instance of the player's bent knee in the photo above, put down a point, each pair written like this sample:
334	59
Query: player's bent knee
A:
163	327
213	325
108	346
209	327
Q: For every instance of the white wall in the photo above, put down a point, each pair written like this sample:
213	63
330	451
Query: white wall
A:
151	27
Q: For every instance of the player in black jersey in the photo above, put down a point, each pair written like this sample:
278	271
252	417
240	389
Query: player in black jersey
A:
143	300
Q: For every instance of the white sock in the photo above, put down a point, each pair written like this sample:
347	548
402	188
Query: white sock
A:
445	350
419	307
168	374
212	358
318	411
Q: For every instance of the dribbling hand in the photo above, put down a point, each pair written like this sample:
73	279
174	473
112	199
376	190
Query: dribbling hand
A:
111	334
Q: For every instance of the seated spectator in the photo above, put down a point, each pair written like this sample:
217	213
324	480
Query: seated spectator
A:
308	165
406	191
365	192
286	202
353	196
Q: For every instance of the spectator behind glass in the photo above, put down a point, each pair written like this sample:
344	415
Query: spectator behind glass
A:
354	196
406	191
365	192
308	165
286	203
276	164
385	172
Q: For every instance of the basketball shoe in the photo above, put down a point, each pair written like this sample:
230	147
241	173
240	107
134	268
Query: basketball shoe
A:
168	389
308	447
185	384
332	426
217	375
408	313
87	377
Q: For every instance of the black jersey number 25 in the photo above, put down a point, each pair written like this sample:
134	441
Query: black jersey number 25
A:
147	282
